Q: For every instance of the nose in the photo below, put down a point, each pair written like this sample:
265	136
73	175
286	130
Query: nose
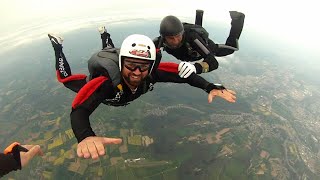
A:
137	71
176	40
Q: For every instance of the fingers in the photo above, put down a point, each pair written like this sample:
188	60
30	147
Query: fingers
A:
228	95
35	148
94	146
87	149
186	69
92	150
82	150
231	99
27	156
100	148
79	150
231	91
112	141
188	74
182	69
211	97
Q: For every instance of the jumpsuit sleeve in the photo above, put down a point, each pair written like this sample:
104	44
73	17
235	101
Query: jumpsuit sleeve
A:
8	164
85	102
168	72
10	161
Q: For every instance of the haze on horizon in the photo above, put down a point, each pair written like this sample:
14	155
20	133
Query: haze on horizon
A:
289	21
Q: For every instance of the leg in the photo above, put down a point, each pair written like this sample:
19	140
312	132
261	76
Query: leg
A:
231	44
64	75
105	37
220	49
236	28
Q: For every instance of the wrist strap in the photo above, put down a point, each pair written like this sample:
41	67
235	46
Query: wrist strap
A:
212	86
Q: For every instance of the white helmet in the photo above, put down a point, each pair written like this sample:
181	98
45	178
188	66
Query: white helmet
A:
139	47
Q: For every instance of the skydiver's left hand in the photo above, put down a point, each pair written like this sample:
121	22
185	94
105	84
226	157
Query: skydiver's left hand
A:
226	94
186	69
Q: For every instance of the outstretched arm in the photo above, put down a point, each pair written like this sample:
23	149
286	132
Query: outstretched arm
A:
89	144
86	101
168	72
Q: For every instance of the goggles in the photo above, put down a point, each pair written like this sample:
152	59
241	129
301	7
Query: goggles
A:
132	65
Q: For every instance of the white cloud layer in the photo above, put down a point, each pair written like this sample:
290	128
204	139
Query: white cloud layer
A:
294	21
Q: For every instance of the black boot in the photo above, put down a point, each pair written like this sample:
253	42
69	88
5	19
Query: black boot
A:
236	15
236	28
56	42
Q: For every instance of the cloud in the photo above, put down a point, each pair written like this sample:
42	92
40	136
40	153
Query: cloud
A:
296	24
30	20
38	31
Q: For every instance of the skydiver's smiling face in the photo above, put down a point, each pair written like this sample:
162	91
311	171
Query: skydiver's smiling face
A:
134	71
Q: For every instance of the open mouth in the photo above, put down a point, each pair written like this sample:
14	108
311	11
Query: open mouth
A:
134	77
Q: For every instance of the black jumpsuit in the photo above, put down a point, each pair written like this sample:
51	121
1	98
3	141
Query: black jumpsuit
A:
194	47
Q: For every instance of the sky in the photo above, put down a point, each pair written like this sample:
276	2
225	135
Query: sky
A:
24	21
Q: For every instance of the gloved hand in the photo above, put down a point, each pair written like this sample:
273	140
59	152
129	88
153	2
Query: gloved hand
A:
186	69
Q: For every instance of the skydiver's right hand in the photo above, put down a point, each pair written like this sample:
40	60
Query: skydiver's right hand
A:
186	69
93	146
